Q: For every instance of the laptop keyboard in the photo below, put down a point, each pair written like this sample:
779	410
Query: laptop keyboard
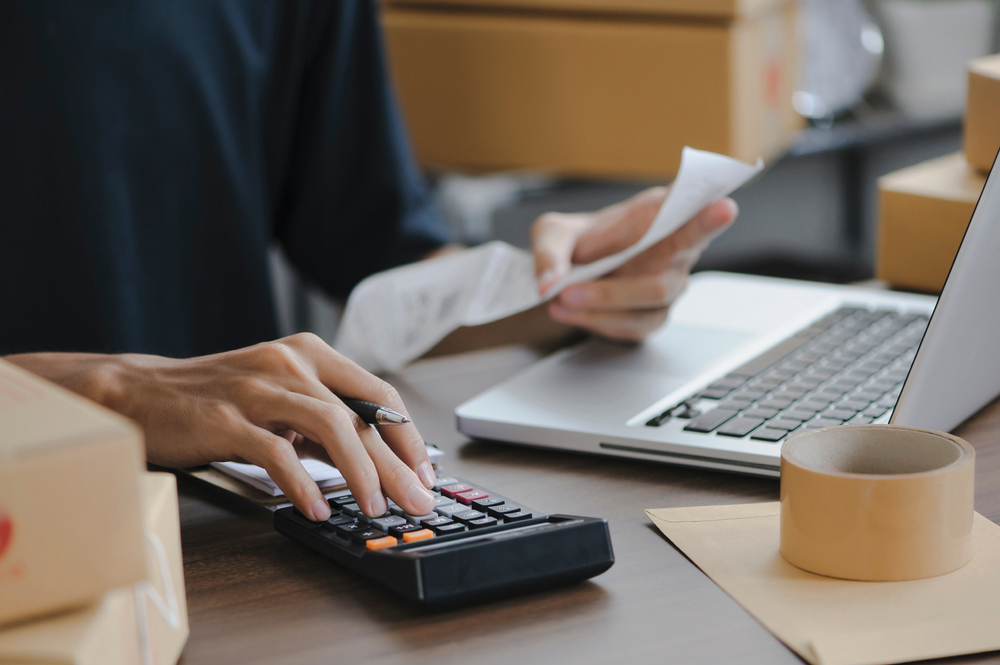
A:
846	368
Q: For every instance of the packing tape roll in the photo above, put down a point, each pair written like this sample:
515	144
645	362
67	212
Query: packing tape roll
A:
877	502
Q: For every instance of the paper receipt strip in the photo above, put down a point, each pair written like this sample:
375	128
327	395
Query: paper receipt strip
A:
396	316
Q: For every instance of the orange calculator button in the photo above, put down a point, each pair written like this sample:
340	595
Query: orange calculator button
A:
414	536
379	543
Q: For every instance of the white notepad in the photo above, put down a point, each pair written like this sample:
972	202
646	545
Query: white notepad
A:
325	475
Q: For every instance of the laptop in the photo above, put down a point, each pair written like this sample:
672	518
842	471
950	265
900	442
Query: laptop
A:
745	362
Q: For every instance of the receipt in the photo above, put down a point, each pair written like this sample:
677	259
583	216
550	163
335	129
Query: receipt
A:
396	316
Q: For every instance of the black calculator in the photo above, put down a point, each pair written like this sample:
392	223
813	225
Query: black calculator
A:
475	546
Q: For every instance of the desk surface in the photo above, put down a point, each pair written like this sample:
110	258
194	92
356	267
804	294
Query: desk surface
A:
256	597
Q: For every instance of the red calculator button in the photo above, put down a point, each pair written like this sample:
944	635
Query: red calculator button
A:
451	490
468	497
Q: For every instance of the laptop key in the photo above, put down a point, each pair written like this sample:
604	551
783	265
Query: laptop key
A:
786	424
760	412
775	403
769	434
818	422
740	426
799	415
839	414
749	394
875	411
707	422
853	404
729	383
714	393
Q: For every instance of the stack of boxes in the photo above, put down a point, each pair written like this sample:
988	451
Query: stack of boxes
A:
925	209
90	556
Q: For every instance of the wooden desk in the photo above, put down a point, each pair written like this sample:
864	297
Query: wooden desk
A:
256	597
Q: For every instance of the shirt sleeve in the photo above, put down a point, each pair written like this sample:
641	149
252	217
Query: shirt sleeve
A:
348	198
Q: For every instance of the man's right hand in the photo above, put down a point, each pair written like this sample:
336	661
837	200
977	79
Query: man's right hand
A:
267	404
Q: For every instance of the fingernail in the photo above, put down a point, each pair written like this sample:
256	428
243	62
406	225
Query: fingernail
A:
321	510
426	474
559	313
378	505
574	295
418	496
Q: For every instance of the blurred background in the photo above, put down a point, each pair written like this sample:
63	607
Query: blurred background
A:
518	107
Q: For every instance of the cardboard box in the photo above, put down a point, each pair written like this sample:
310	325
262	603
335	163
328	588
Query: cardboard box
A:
70	512
982	112
144	623
923	213
567	90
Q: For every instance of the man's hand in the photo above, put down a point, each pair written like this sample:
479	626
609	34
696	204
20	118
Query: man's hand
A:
632	301
267	404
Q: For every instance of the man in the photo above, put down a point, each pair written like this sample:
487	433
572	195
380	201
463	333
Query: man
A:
153	151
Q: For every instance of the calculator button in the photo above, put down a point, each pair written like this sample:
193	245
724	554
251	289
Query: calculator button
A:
451	491
443	501
468	497
343	500
396	510
468	516
452	510
501	510
367	534
420	534
334	522
379	543
385	523
403	529
435	522
519	516
483	522
441	482
449	529
352	509
346	530
483	504
417	519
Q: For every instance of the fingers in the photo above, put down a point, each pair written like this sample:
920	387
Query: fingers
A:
641	292
278	457
627	326
333	374
553	237
684	245
368	465
619	226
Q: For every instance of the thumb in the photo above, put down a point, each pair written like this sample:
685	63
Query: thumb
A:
553	238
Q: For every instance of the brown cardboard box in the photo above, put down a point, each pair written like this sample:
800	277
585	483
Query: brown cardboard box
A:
982	112
668	8
923	213
569	91
70	513
151	616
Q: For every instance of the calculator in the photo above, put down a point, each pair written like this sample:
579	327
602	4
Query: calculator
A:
475	546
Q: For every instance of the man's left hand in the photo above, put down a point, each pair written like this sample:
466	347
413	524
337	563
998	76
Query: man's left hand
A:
633	301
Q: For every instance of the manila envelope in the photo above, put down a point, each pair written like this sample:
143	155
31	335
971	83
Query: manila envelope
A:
829	621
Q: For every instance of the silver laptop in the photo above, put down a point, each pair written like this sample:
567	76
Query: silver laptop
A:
746	362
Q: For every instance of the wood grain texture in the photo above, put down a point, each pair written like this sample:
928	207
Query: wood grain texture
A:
256	597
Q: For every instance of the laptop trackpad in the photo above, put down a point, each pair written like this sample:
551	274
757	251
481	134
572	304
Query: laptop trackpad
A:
602	380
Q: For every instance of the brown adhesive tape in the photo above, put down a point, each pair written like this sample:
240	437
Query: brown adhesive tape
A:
877	502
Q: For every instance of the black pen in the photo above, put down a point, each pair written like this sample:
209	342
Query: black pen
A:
374	414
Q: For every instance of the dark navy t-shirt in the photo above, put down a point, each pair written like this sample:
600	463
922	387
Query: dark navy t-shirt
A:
150	150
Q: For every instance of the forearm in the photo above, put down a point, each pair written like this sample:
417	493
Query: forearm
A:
91	375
